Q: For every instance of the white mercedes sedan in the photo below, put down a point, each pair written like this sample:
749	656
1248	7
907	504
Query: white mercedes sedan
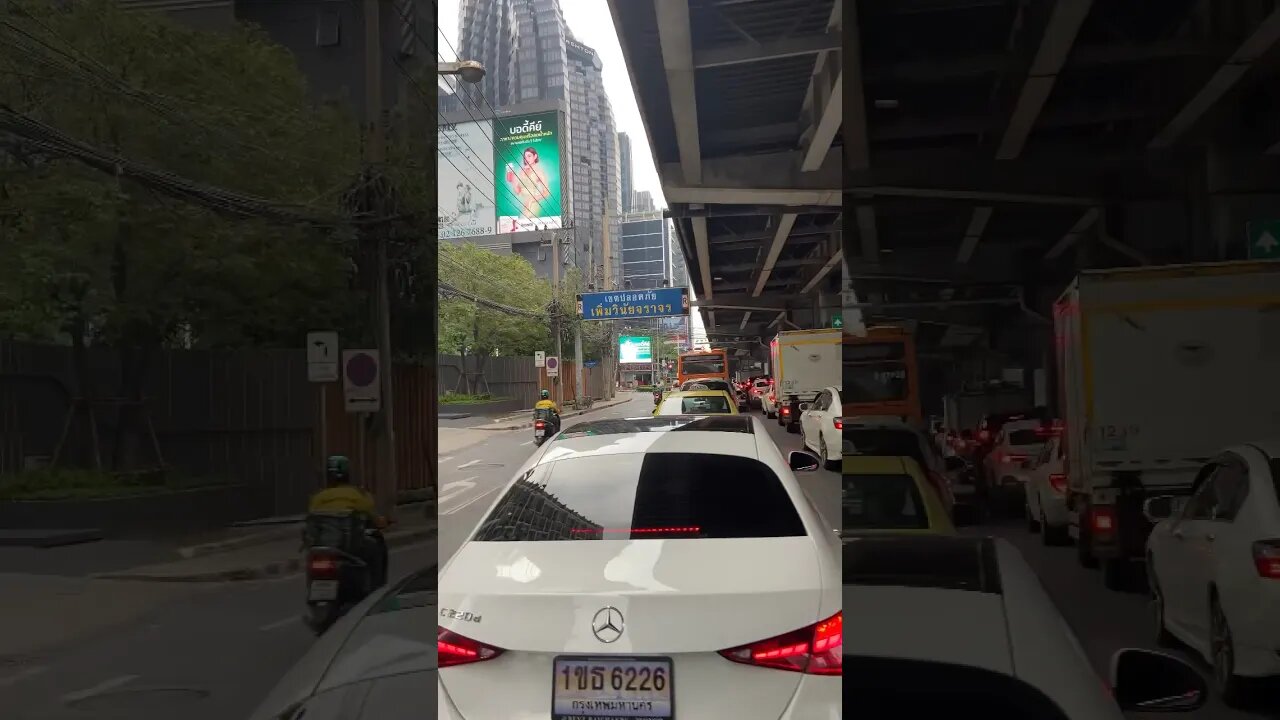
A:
640	568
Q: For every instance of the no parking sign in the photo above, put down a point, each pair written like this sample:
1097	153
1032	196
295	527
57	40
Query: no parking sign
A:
361	380
553	366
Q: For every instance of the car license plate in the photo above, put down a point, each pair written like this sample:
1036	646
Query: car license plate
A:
539	432
323	590
612	688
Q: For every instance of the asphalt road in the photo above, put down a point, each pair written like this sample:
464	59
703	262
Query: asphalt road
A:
211	653
471	477
1106	621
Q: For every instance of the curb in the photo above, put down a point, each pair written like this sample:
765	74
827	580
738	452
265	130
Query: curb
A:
267	570
279	533
571	413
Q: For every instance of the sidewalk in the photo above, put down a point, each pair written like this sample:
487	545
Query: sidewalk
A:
279	554
523	419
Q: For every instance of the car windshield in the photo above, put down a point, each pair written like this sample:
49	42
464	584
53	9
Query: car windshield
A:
1025	437
697	405
889	687
887	442
707	385
882	502
638	496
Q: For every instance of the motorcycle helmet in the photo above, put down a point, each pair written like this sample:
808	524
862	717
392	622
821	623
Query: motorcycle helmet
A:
337	469
546	394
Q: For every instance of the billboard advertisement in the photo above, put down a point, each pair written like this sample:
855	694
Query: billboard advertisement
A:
526	163
464	172
634	350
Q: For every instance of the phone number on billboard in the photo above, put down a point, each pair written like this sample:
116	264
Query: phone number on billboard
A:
466	232
612	310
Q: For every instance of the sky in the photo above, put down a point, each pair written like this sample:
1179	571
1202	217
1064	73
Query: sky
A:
591	23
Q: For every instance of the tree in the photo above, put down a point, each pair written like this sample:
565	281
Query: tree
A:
471	328
97	259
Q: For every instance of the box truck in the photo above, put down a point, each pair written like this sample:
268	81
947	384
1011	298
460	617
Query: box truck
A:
1159	369
804	363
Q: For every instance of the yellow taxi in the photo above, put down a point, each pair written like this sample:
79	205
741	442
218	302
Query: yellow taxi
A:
696	402
885	495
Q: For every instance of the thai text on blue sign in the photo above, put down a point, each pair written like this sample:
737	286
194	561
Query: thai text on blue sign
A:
615	304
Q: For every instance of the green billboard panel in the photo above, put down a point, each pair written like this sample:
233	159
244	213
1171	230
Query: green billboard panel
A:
527	187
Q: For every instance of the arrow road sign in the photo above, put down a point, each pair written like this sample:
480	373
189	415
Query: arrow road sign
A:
361	384
1264	239
539	358
322	357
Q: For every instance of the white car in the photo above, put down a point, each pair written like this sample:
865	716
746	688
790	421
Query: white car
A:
962	624
640	565
821	427
1213	563
759	388
371	665
1016	443
1046	493
769	402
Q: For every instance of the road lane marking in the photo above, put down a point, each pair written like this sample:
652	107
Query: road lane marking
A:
446	458
459	487
527	442
98	689
469	464
453	510
21	675
280	623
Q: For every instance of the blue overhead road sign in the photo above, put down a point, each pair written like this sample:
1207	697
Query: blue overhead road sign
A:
615	304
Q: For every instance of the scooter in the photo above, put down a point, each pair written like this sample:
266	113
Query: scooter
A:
337	579
545	425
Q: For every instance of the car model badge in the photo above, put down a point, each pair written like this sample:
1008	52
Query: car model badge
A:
608	624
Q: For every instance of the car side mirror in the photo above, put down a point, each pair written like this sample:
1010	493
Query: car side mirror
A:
955	464
803	461
1148	681
965	515
1161	507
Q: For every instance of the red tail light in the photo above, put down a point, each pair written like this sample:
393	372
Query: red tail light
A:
786	410
1102	518
540	424
1058	482
1014	458
454	649
816	650
838	422
984	435
1266	558
322	566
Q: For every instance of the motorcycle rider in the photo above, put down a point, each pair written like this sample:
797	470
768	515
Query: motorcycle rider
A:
546	403
341	495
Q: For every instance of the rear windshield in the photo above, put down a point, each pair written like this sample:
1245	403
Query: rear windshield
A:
698	404
655	495
882	502
702	366
1025	437
706	385
883	442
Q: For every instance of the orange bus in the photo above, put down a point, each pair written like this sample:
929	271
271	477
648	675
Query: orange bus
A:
881	376
703	364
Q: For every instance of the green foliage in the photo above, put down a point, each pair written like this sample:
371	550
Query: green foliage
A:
452	398
469	328
79	249
71	484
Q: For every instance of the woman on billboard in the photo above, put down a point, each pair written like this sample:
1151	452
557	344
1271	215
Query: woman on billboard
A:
529	184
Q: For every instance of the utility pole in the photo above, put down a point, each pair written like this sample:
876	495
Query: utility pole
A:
556	309
372	198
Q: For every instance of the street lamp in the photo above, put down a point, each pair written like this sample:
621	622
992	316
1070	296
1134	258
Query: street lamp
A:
469	70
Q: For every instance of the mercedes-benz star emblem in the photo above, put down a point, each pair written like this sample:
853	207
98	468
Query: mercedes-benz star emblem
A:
608	624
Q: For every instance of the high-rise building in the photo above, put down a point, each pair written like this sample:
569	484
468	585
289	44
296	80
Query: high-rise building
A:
679	270
646	251
624	170
531	57
643	202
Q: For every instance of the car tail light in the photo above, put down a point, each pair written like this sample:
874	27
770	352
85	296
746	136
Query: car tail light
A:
1266	557
455	649
816	650
984	435
1102	519
1058	482
838	422
786	411
540	424
322	566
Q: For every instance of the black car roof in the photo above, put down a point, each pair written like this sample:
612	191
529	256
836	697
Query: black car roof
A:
935	561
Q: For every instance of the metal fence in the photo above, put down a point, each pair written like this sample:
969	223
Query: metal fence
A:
245	417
